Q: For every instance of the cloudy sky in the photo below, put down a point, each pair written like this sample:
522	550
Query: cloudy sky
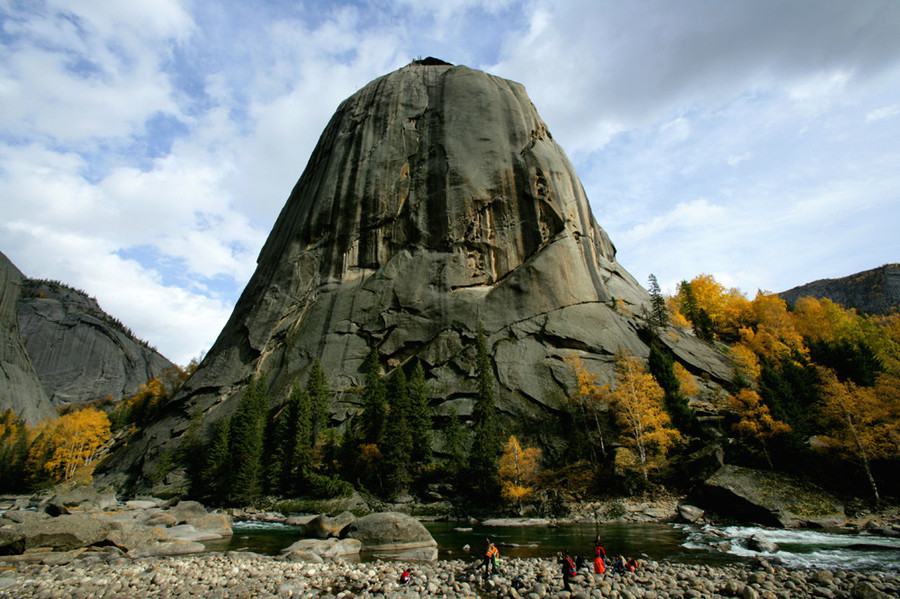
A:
146	148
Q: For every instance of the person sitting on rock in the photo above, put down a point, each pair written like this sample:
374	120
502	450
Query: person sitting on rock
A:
619	565
631	565
405	577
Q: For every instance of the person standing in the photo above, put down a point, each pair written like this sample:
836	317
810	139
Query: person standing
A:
568	569
491	556
599	557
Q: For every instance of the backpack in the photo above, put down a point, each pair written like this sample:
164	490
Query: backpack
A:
571	566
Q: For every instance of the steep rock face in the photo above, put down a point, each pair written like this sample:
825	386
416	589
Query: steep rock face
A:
20	389
875	291
79	352
435	200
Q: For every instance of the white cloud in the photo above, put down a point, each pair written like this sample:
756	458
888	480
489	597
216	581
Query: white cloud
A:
885	112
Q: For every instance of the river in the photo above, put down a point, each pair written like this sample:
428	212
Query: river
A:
661	542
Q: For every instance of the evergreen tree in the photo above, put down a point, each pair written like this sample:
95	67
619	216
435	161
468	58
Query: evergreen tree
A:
349	451
190	450
277	450
13	452
374	401
658	313
215	478
319	399
699	317
299	440
246	444
486	443
420	419
662	368
455	441
400	434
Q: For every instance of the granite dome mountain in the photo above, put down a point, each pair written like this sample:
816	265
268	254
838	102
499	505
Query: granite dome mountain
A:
435	201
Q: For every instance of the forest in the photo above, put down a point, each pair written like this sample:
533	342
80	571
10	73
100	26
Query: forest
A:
815	393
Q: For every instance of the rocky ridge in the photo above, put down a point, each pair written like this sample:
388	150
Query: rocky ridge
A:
78	351
875	291
20	388
435	201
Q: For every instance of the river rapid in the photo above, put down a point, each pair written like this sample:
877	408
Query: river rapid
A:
712	545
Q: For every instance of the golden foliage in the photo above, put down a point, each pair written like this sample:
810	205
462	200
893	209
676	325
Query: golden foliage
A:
686	380
774	335
71	441
862	423
755	422
589	399
518	470
746	362
638	404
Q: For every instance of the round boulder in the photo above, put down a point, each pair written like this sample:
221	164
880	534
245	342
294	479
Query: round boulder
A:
392	534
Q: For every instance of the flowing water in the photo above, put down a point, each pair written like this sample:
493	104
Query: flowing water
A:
661	542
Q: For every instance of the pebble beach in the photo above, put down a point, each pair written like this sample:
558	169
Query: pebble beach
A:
106	575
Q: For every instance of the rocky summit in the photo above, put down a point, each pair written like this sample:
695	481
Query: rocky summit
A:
81	353
20	389
435	201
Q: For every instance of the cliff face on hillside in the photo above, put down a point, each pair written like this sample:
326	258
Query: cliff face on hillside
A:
20	389
79	352
436	200
875	291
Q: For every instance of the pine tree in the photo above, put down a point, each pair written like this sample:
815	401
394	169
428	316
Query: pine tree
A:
658	312
662	368
246	444
399	432
299	441
215	479
319	399
374	401
454	439
486	445
420	419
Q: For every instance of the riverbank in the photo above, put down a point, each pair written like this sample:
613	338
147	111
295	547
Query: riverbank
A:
110	575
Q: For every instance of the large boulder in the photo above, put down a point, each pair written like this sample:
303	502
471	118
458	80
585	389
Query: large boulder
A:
769	498
324	526
435	201
395	535
326	548
80	498
64	532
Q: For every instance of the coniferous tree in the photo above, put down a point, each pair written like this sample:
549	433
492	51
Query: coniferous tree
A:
420	417
454	439
486	442
299	441
13	452
658	312
399	433
662	368
246	444
319	399
374	401
215	478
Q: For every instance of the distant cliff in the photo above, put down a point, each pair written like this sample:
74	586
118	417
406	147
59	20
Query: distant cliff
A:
875	291
79	352
20	389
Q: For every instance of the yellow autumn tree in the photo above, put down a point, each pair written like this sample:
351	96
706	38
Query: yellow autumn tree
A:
647	431
746	362
861	423
686	380
76	439
773	334
518	471
588	402
755	423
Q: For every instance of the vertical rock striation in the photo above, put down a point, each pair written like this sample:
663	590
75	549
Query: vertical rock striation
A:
79	352
20	389
435	200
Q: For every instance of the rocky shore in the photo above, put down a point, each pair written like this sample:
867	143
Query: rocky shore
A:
111	575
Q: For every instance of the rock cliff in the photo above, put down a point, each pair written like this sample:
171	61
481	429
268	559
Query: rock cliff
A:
435	200
875	291
20	389
79	352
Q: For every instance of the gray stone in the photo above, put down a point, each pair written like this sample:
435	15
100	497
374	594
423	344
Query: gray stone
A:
769	498
875	291
64	532
759	542
393	534
79	352
12	541
323	526
20	388
79	498
325	547
435	200
689	513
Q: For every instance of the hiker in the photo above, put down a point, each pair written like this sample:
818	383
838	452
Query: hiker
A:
405	577
568	568
599	557
619	565
491	557
631	565
579	562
